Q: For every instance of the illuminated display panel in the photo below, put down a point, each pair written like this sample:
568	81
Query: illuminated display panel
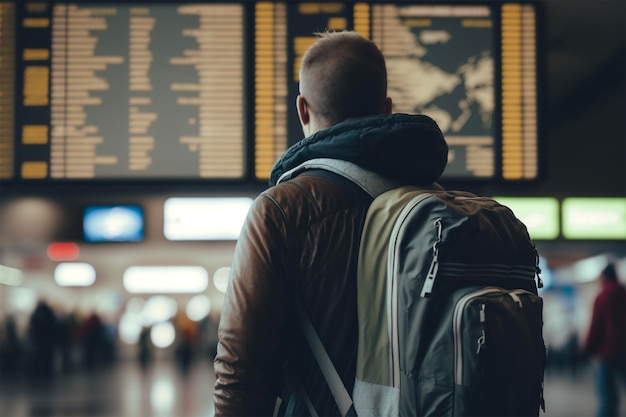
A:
540	215
7	82
472	68
442	61
270	100
519	92
204	218
594	218
156	91
143	91
121	223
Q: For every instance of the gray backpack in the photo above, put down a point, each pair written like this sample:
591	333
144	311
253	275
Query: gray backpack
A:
450	322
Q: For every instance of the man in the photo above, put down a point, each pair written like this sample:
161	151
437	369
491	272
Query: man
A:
606	341
301	237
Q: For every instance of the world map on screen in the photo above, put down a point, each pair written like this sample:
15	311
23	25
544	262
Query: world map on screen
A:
440	63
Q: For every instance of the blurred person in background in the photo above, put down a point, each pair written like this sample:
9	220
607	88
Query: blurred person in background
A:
42	335
10	348
145	348
69	334
187	337
92	335
606	341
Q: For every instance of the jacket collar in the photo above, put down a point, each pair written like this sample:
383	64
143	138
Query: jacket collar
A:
407	148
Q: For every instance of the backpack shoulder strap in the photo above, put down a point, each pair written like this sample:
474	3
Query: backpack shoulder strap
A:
372	183
338	389
369	181
375	185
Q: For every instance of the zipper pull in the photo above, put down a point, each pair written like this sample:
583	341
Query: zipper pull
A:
427	289
483	321
429	282
537	268
481	342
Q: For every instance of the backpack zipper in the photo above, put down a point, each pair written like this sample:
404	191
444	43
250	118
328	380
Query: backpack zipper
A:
458	316
392	287
429	282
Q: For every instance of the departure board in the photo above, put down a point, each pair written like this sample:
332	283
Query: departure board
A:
472	68
440	63
205	91
141	91
7	83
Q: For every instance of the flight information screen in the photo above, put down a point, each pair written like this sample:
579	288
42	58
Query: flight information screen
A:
141	91
440	61
154	91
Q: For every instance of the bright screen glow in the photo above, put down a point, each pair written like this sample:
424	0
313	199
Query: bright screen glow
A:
539	214
198	307
594	218
10	276
113	224
162	334
163	396
74	274
158	309
130	328
140	314
165	279
22	299
220	278
205	218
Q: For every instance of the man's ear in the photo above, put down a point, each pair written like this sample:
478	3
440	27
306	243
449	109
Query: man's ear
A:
303	110
388	105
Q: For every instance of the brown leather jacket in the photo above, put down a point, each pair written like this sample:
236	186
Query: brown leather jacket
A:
301	239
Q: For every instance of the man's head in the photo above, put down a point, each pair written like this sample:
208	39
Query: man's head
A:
343	75
609	273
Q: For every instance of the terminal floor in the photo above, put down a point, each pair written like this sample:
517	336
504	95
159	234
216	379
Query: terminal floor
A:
163	390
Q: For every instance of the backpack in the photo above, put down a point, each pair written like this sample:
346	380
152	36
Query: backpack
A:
450	321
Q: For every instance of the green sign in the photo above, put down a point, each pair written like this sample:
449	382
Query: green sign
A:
539	214
594	218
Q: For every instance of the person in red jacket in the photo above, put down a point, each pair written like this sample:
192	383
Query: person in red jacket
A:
606	341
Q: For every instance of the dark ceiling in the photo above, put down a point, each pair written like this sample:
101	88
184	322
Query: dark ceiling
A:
586	42
583	110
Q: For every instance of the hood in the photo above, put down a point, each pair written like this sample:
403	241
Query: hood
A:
407	148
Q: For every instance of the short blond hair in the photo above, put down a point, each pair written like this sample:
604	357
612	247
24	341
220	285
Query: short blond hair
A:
343	75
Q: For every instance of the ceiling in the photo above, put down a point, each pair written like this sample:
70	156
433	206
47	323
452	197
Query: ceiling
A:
585	48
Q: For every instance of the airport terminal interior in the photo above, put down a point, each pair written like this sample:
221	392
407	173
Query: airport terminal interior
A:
134	136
